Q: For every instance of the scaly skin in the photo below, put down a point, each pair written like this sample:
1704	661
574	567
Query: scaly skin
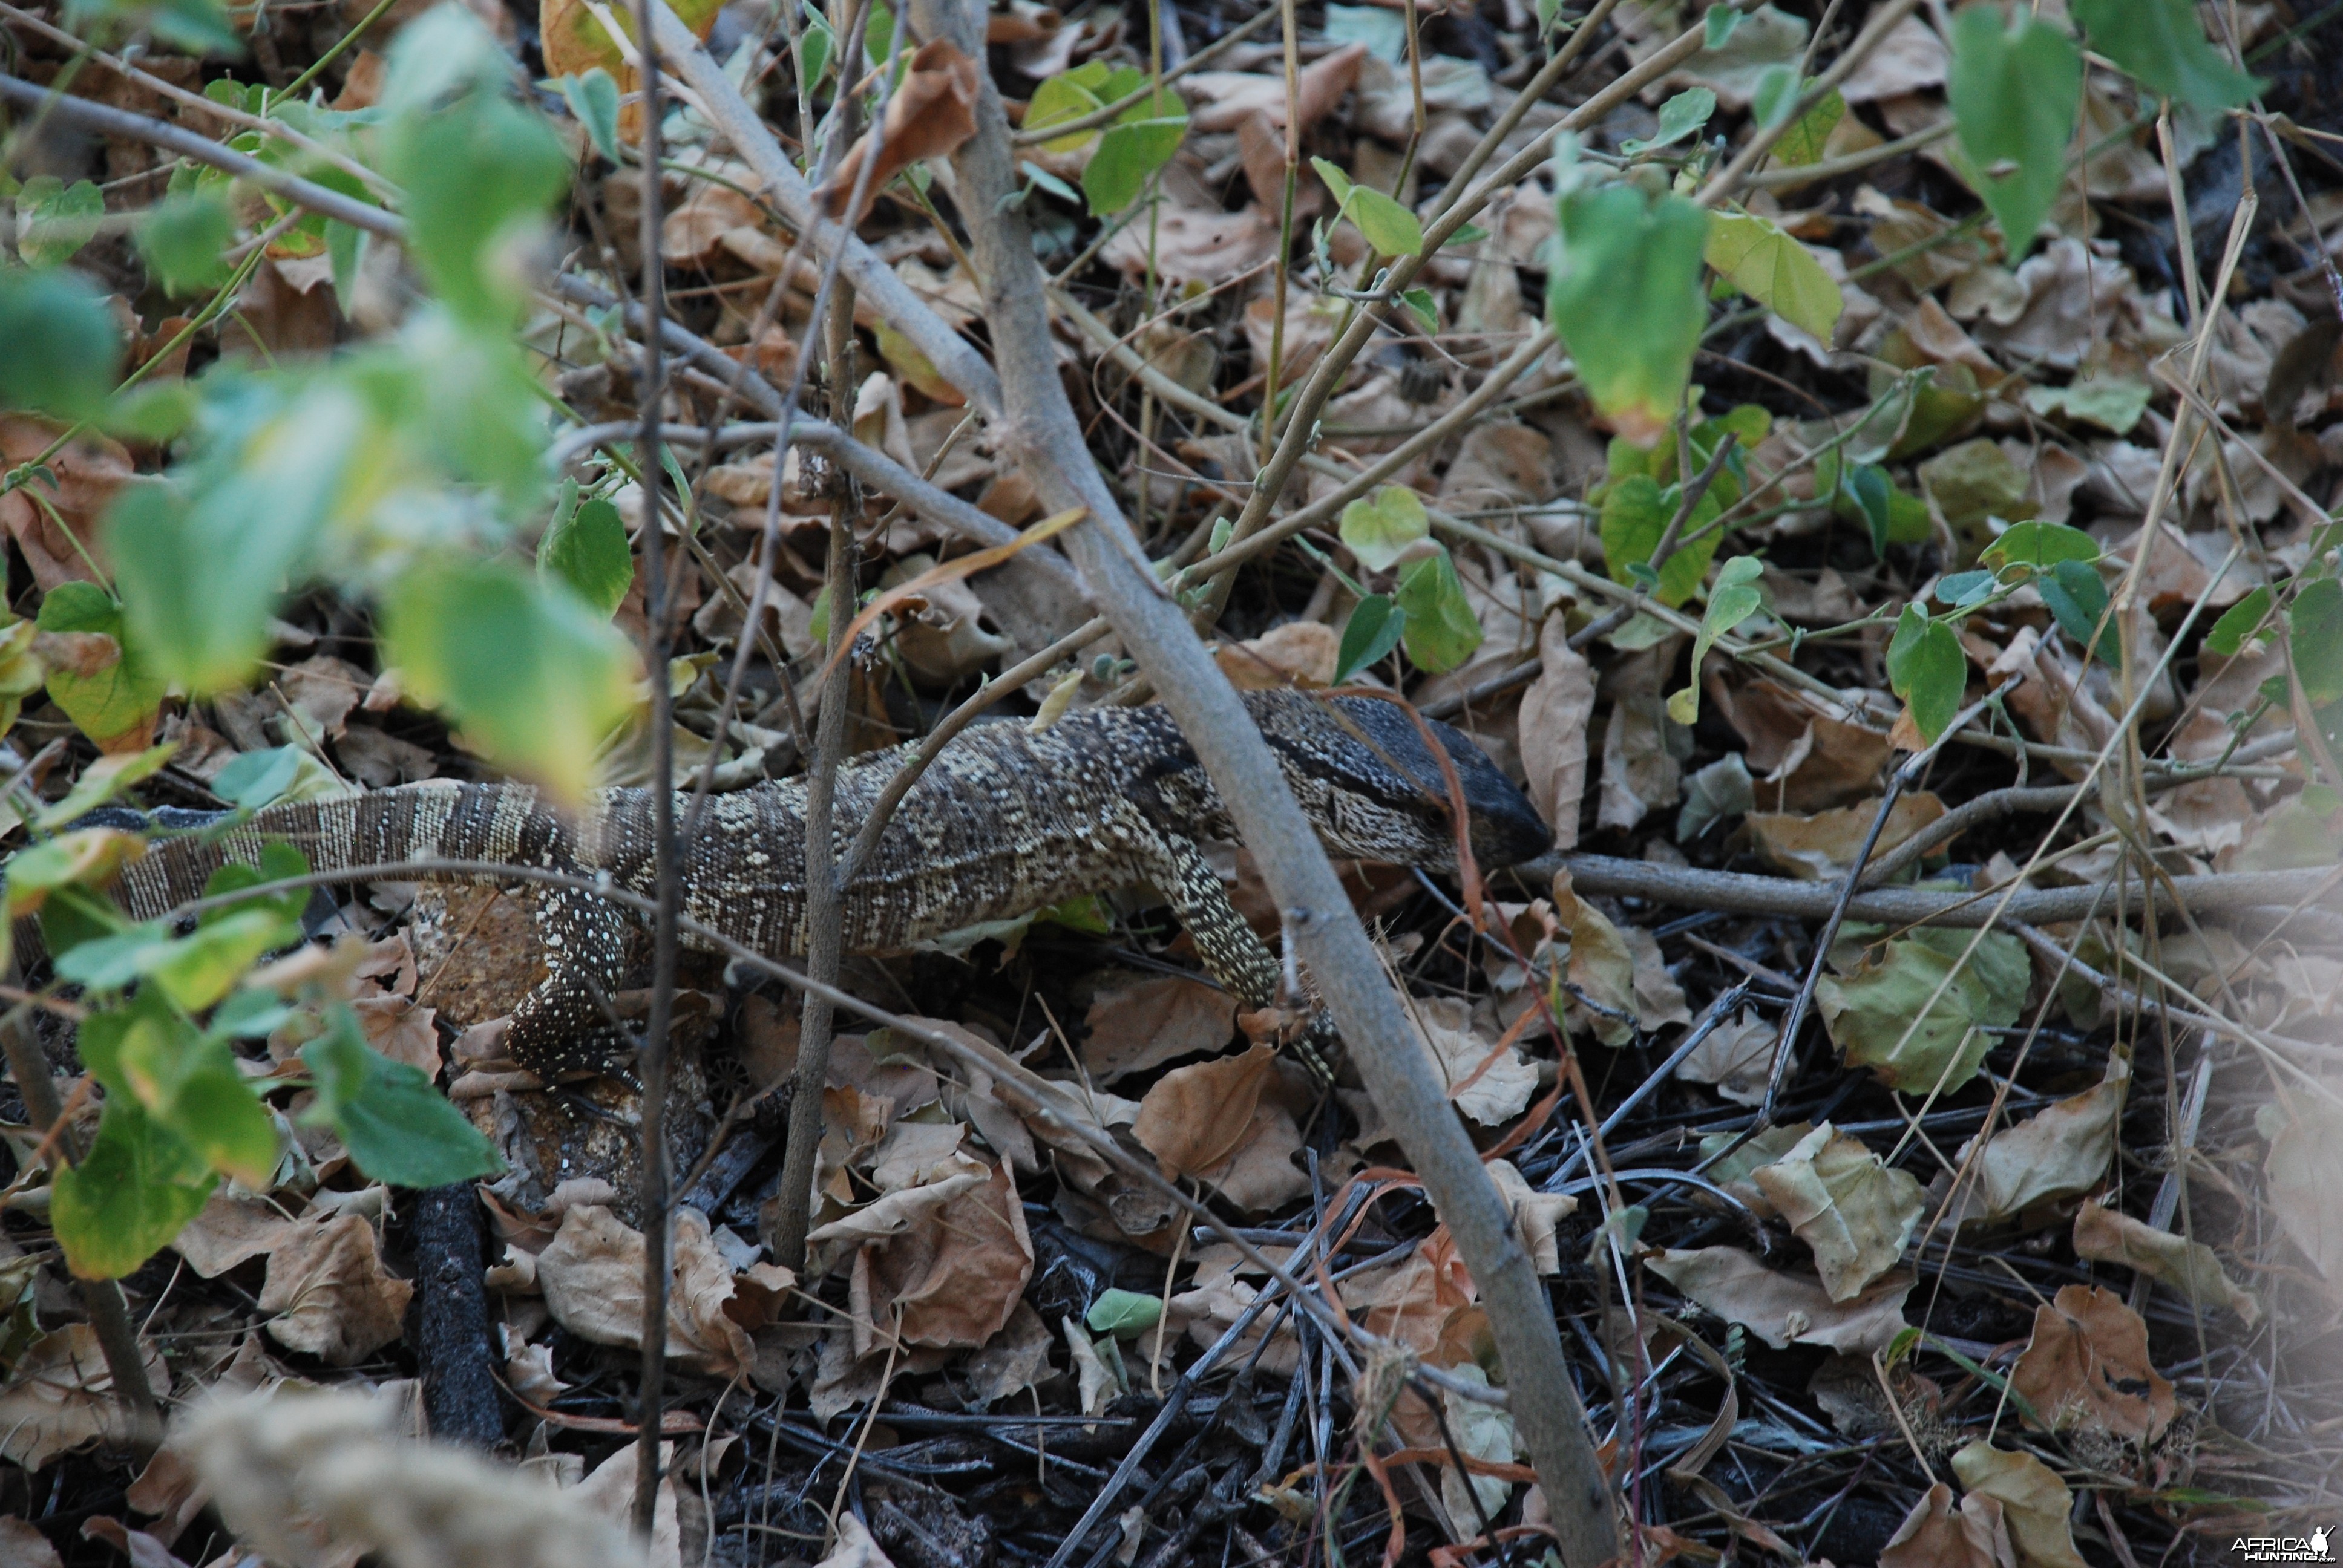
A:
1005	821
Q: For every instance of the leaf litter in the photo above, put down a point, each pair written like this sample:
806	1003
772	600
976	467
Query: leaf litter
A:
1982	1162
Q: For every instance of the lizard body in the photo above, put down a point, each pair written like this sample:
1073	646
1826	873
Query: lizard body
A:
1007	820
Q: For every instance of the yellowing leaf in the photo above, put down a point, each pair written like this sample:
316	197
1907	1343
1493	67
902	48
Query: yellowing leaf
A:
1382	526
2035	1503
535	680
2059	1151
1850	1206
2110	1236
1625	298
1775	270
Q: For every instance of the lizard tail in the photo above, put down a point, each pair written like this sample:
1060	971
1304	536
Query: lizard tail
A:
438	820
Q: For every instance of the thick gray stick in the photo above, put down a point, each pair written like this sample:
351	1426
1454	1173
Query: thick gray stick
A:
1040	427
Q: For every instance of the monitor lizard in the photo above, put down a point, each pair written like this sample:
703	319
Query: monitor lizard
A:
1008	819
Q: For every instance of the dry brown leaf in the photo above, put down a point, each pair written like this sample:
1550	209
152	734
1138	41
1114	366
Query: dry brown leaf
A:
143	1550
1196	1117
930	113
1536	1214
1013	1361
231	1229
1851	1207
1781	1307
592	1273
1737	1058
1503	465
2060	1152
1194	244
22	1545
1261	1175
1300	653
2304	1171
1489	1081
1223	99
1823	847
607	1494
55	526
59	1397
1805	761
1311	321
952	1278
1642	768
855	1549
1601	966
1207	1309
332	1297
2034	1504
401	1030
1556	713
2086	1365
2111	1236
1095	1382
1935	1534
1145	1021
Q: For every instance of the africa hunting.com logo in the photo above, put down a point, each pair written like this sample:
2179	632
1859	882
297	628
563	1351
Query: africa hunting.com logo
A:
2310	1548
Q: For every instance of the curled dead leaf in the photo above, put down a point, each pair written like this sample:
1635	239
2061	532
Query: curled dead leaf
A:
930	113
1781	1307
330	1294
2086	1365
1935	1534
1196	1117
1856	1211
2035	1503
2111	1236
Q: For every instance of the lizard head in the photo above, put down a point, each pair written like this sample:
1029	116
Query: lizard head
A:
1361	769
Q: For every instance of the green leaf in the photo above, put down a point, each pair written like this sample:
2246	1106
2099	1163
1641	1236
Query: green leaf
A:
1733	598
2111	402
1803	143
2014	91
1776	95
593	98
279	861
155	413
1777	271
1883	1017
2034	546
479	171
181	239
256	778
64	352
1441	631
1128	155
87	856
197	970
2241	621
1927	668
535	679
55	220
1389	227
2080	600
1680	116
2315	638
2162	44
1635	513
132	1194
395	1125
1124	1314
195	26
101	782
117	699
1962	590
1719	25
585	547
1369	636
1383	526
1625	296
1068	96
1426	309
816	44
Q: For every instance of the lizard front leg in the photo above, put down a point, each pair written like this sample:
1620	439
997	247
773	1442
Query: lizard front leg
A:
559	1028
1232	953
